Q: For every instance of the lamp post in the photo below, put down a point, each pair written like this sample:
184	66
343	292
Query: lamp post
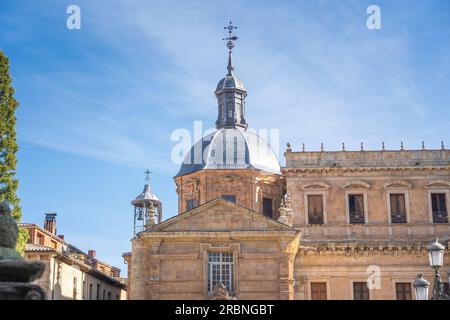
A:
436	259
421	287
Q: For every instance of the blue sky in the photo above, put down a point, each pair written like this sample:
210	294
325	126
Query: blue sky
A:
98	105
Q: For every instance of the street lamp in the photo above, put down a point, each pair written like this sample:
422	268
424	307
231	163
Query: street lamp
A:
421	287
436	259
448	274
436	254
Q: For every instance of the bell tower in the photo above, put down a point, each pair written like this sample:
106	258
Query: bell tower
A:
147	208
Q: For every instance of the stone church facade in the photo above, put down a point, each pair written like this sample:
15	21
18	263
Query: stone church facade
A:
328	225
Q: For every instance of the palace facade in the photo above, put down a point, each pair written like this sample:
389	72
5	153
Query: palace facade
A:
70	273
328	225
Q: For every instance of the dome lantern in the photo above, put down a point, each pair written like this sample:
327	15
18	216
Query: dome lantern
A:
230	92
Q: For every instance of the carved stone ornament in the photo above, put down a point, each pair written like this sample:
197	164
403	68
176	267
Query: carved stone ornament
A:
16	273
220	292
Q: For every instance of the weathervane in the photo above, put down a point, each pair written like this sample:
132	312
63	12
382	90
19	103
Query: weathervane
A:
230	45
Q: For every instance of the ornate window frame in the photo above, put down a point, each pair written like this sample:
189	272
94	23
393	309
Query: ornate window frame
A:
388	204
315	188
398	187
319	279
355	187
324	205
352	293
347	205
396	280
438	186
234	248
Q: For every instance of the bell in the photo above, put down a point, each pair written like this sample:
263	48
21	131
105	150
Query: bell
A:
139	215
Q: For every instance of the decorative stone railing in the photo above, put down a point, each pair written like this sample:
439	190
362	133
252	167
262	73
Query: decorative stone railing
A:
388	158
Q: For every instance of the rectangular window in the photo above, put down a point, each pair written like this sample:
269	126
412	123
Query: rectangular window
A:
191	204
104	295
90	291
268	207
109	295
446	288
220	270
230	110
98	292
439	208
398	208
315	209
403	291
83	294
360	291
75	288
356	208
229	197
318	291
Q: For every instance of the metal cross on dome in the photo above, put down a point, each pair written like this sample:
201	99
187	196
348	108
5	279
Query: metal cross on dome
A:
230	38
147	178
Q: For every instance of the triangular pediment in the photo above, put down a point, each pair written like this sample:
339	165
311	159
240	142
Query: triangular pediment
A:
219	215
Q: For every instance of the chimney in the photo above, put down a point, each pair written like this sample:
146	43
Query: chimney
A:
50	222
91	253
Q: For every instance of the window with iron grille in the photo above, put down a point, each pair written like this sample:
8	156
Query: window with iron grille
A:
220	270
439	208
398	208
360	291
229	197
191	204
315	209
318	291
356	208
403	291
268	207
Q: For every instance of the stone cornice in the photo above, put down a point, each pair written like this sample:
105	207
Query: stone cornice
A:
362	247
225	235
355	169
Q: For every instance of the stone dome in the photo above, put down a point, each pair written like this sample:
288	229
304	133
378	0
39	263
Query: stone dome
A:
230	148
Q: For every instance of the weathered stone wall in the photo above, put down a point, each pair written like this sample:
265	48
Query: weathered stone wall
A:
338	252
339	268
170	262
249	187
375	183
178	270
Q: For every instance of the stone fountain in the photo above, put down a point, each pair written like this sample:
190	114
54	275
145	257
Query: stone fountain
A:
16	274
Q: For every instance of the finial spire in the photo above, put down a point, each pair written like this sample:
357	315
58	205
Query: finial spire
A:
230	45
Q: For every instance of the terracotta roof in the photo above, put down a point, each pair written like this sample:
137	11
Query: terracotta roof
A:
37	248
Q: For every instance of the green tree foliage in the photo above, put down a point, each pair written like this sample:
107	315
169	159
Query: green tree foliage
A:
8	147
